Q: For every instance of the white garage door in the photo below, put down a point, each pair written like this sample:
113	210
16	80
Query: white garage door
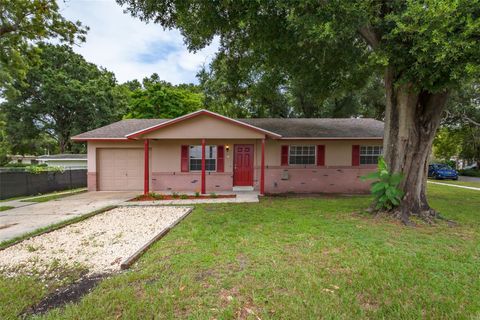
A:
120	169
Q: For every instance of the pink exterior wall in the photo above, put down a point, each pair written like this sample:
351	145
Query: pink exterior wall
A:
186	181
206	127
336	177
92	181
316	180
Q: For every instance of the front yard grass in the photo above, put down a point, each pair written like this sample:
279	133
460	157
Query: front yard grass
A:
3	208
292	258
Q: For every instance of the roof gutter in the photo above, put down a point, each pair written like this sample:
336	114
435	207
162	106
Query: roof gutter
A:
331	138
74	139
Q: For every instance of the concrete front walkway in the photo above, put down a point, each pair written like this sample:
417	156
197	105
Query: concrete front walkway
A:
18	221
242	197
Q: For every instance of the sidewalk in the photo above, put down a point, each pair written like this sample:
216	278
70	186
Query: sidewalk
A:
454	185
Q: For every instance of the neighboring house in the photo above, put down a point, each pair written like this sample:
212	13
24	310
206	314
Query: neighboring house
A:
207	152
76	161
22	159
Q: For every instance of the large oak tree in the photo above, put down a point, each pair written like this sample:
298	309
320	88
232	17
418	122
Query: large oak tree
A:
23	23
65	95
423	47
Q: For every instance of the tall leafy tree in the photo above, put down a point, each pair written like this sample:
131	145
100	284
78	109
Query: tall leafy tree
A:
460	134
5	145
65	95
159	99
423	48
22	24
446	143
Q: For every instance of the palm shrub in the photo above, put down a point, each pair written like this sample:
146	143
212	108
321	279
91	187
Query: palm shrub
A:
385	187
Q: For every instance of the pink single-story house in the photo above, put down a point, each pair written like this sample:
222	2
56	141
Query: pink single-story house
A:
207	152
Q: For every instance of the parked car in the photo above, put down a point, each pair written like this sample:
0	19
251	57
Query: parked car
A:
442	171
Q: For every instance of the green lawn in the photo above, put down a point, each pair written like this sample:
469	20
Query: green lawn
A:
3	208
298	258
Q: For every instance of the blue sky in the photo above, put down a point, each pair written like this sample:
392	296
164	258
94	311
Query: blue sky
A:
131	48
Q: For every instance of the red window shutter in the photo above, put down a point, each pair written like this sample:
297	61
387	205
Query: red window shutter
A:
355	155
184	157
320	155
220	159
284	156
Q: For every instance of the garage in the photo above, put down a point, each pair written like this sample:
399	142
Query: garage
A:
120	169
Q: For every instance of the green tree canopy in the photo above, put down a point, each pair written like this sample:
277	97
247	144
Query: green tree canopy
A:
424	49
65	95
22	24
159	99
268	93
460	133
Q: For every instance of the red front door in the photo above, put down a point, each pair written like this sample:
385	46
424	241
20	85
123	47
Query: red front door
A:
243	165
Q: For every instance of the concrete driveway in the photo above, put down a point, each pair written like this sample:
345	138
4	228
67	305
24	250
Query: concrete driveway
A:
18	221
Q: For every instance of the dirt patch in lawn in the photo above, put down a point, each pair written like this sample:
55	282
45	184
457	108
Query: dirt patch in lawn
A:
159	197
68	294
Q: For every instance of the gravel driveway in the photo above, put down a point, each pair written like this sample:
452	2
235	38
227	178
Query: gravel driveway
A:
99	244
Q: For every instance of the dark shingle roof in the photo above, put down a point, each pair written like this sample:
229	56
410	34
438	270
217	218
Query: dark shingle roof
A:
286	127
79	156
318	128
120	129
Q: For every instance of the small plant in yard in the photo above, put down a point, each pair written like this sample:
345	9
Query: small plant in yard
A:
36	169
385	188
156	196
184	196
31	248
175	195
197	194
213	195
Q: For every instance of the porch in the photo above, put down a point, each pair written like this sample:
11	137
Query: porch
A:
206	166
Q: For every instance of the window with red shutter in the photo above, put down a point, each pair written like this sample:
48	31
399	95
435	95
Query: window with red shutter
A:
284	156
320	155
355	155
220	158
184	158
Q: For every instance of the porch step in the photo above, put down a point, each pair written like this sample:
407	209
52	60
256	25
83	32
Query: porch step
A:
243	188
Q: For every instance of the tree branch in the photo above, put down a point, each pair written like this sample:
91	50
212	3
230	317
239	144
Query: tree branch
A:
468	119
7	29
370	36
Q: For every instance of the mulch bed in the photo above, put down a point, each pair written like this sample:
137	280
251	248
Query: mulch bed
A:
161	197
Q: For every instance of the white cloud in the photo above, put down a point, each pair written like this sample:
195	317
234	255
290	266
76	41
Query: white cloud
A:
131	48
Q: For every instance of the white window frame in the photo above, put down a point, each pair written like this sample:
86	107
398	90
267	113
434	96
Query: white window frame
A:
370	151
215	157
303	164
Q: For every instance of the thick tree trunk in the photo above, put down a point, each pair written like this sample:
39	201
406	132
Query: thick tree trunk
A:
411	120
